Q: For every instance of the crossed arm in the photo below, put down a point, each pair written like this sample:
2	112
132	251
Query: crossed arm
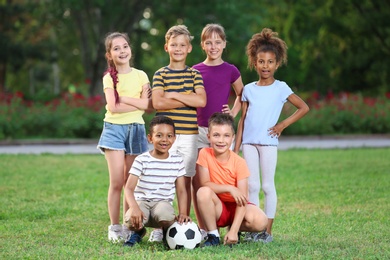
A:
172	100
128	104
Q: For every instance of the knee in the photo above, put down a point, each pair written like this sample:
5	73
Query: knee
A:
256	219
116	186
166	224
203	194
268	188
260	220
252	188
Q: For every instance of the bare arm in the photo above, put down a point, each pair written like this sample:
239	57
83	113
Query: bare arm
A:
196	99
137	215
142	103
302	109
237	86
240	127
161	102
231	236
182	195
204	180
116	107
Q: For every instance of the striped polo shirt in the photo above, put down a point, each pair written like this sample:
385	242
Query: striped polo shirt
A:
183	81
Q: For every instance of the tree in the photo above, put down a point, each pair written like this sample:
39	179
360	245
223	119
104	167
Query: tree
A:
22	38
334	45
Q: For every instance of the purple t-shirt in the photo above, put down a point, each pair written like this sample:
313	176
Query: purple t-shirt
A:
217	82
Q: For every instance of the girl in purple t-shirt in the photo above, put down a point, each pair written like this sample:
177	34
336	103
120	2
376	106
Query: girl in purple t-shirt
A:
218	79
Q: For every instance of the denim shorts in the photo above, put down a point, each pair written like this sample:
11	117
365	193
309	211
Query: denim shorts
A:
130	138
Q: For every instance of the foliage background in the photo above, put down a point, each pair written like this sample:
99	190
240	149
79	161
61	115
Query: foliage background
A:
52	58
50	46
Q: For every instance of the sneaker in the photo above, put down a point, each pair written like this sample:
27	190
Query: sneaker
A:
248	236
115	233
135	238
212	240
262	237
203	234
156	235
126	232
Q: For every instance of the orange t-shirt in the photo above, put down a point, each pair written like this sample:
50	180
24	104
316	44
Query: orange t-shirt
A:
228	173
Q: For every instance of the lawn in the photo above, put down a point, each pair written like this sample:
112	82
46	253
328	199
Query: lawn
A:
332	204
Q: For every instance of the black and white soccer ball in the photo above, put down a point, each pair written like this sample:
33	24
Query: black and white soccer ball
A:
183	236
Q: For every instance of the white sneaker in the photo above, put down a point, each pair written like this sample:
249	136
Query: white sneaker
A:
156	235
115	233
126	232
203	234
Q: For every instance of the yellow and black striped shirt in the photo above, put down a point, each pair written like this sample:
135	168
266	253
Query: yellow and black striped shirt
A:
185	82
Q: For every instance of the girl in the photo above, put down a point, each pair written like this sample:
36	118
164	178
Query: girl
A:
218	79
258	130
127	92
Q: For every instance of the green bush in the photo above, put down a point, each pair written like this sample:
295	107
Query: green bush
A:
74	116
345	114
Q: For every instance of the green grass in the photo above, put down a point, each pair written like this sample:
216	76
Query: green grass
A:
333	204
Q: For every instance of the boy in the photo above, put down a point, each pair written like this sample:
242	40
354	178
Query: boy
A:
176	93
150	188
223	194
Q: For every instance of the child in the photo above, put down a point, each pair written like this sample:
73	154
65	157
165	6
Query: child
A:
123	136
150	189
258	130
177	92
218	77
223	195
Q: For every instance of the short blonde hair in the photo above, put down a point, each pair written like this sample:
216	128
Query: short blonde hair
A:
176	31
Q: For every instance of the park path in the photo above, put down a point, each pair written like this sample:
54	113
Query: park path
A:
285	143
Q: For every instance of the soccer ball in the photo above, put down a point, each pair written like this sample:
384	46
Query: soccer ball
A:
183	236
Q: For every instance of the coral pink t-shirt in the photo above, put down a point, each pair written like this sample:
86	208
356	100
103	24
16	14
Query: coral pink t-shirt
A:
230	172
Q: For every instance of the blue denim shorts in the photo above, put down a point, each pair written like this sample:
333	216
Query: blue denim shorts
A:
130	138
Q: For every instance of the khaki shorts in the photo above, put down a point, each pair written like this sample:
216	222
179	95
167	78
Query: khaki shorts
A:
154	212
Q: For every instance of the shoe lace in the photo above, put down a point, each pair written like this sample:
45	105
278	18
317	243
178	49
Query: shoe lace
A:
211	239
157	234
261	236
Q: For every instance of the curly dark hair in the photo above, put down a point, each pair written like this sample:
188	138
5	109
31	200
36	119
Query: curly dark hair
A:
266	41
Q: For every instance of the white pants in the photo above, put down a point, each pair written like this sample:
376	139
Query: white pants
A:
186	146
262	159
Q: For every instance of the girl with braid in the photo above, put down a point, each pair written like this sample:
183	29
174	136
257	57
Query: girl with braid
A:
127	92
259	129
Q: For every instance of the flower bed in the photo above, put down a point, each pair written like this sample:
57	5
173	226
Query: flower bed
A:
75	116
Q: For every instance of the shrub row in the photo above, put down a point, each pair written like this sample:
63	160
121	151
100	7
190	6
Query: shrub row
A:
74	116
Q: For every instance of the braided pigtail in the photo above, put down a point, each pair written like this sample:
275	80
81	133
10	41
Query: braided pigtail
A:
114	75
110	64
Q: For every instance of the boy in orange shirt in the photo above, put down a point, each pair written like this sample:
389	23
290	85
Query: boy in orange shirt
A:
223	195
